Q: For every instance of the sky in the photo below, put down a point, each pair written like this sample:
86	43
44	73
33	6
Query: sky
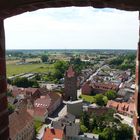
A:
73	28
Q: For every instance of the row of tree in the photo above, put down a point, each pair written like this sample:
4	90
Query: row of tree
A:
102	99
23	82
106	126
124	62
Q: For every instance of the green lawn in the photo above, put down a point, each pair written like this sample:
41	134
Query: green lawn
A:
37	125
88	98
13	69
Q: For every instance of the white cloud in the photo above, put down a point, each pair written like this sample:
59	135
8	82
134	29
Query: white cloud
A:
73	28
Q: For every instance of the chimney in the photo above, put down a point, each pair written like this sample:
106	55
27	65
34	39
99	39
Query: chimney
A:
52	130
45	129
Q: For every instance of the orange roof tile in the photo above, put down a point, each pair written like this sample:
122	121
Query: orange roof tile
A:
51	134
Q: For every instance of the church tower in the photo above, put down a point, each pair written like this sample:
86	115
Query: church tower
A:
70	83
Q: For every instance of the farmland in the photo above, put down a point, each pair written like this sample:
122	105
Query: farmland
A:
13	69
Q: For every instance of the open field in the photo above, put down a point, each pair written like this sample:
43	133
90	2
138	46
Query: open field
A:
88	98
13	69
27	60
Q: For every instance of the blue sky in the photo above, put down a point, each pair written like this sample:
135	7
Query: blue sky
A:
73	28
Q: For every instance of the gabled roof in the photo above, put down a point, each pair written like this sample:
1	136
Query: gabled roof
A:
31	90
123	107
66	120
43	102
40	112
18	90
52	134
47	100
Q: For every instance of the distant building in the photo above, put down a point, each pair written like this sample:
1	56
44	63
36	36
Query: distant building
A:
21	125
70	83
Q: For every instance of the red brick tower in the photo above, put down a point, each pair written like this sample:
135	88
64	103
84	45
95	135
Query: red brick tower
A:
70	91
4	129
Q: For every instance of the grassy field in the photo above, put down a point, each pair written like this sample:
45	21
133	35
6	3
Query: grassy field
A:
37	125
13	69
88	98
27	60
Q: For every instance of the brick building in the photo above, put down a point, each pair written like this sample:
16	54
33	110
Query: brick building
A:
21	125
70	83
95	88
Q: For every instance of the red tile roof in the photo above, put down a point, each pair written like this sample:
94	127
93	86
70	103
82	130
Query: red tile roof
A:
18	121
112	104
17	90
51	134
43	102
31	90
123	107
104	86
40	112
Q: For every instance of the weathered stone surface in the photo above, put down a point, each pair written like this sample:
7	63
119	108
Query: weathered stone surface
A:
13	7
3	85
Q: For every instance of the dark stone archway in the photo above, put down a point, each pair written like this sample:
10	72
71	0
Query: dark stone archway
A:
10	8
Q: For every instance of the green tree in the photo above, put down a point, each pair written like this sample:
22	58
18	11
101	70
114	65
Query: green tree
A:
111	94
85	119
83	128
105	99
9	93
124	132
9	81
100	100
11	108
37	77
25	83
59	69
61	66
33	83
21	82
107	134
44	58
77	64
